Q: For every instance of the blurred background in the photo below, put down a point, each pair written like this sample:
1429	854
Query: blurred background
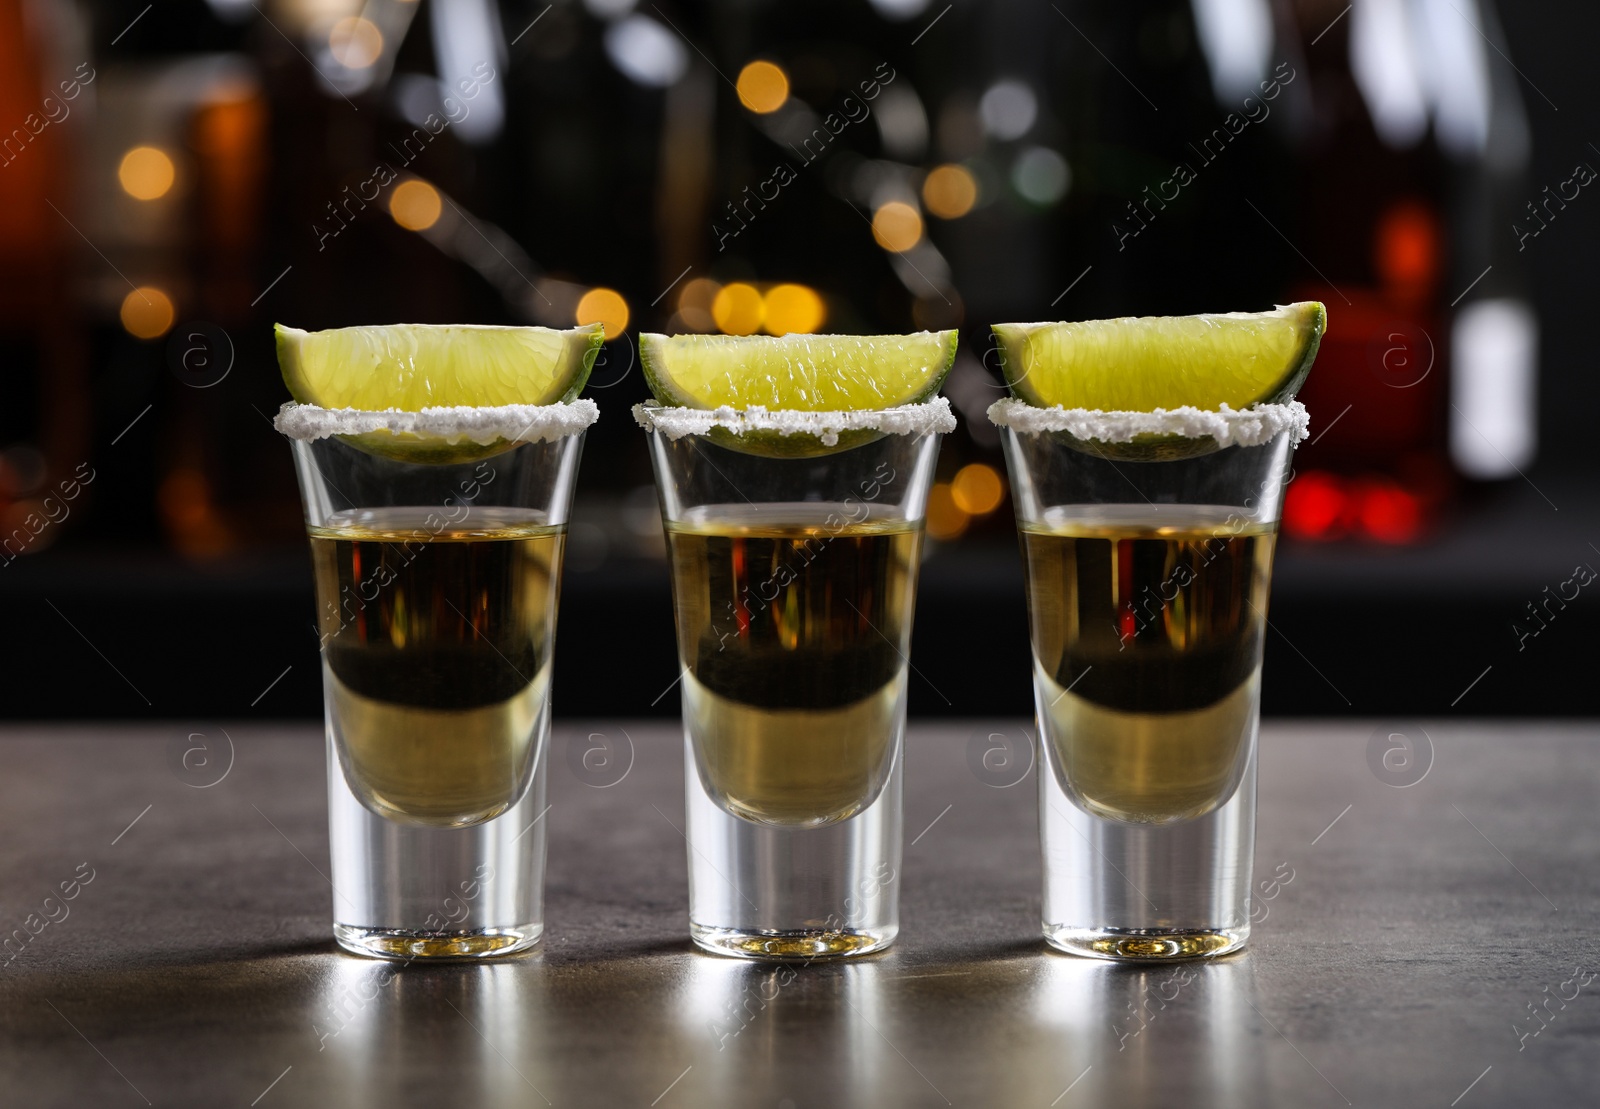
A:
176	176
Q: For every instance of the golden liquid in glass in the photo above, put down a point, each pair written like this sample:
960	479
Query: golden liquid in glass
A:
1147	644
794	626
436	656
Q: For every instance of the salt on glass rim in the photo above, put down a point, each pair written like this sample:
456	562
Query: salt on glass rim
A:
906	419
1248	427
515	423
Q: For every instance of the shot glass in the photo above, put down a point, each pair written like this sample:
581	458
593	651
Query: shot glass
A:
436	541
794	580
1148	544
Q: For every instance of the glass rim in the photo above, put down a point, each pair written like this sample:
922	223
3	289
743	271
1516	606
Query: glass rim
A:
488	425
1229	427
928	417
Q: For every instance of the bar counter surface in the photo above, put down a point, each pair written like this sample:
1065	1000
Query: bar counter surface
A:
1431	943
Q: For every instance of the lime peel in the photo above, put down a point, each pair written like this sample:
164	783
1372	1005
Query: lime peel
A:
1249	427
486	426
826	427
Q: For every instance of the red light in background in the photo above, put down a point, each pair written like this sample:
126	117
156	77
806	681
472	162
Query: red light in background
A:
1389	514
1320	505
1314	507
1406	250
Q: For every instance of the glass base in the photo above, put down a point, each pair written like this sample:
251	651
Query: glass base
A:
799	945
1145	944
407	946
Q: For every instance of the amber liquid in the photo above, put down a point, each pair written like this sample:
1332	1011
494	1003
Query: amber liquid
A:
794	630
436	656
1147	636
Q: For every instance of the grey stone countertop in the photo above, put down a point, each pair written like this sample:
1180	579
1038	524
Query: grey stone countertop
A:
1428	945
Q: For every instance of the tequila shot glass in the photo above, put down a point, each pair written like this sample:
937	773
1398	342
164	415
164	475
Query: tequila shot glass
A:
436	541
794	573
1148	552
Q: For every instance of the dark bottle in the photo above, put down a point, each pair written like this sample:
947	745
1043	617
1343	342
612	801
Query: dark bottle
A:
1413	145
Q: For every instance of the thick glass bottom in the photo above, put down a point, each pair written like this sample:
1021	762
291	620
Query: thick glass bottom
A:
803	945
1145	944
407	945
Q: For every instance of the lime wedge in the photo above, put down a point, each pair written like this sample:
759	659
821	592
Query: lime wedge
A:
417	366
807	373
1141	364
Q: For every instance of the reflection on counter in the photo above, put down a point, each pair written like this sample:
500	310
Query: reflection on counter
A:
1167	1035
741	1018
489	1019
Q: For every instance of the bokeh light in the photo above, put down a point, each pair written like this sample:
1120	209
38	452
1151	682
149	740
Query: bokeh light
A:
188	508
1325	506
950	191
14	518
1406	248
897	226
147	313
1041	175
1390	514
793	309
738	309
605	307
977	489
899	9
646	52
146	172
946	519
185	497
355	42
694	303
763	87
1008	109
415	205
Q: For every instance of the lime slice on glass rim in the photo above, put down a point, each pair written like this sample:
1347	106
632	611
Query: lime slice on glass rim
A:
1151	363
411	367
798	373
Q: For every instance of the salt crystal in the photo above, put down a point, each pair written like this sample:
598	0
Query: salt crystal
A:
906	419
515	423
1249	427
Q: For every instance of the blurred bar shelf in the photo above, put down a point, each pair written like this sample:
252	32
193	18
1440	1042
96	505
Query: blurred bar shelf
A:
1356	629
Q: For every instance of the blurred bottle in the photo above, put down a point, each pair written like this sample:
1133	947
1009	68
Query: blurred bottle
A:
44	422
1409	170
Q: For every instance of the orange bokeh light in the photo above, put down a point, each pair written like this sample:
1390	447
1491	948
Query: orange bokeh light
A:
763	87
977	489
792	309
946	519
605	307
738	309
415	205
146	173
147	313
950	191
897	226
